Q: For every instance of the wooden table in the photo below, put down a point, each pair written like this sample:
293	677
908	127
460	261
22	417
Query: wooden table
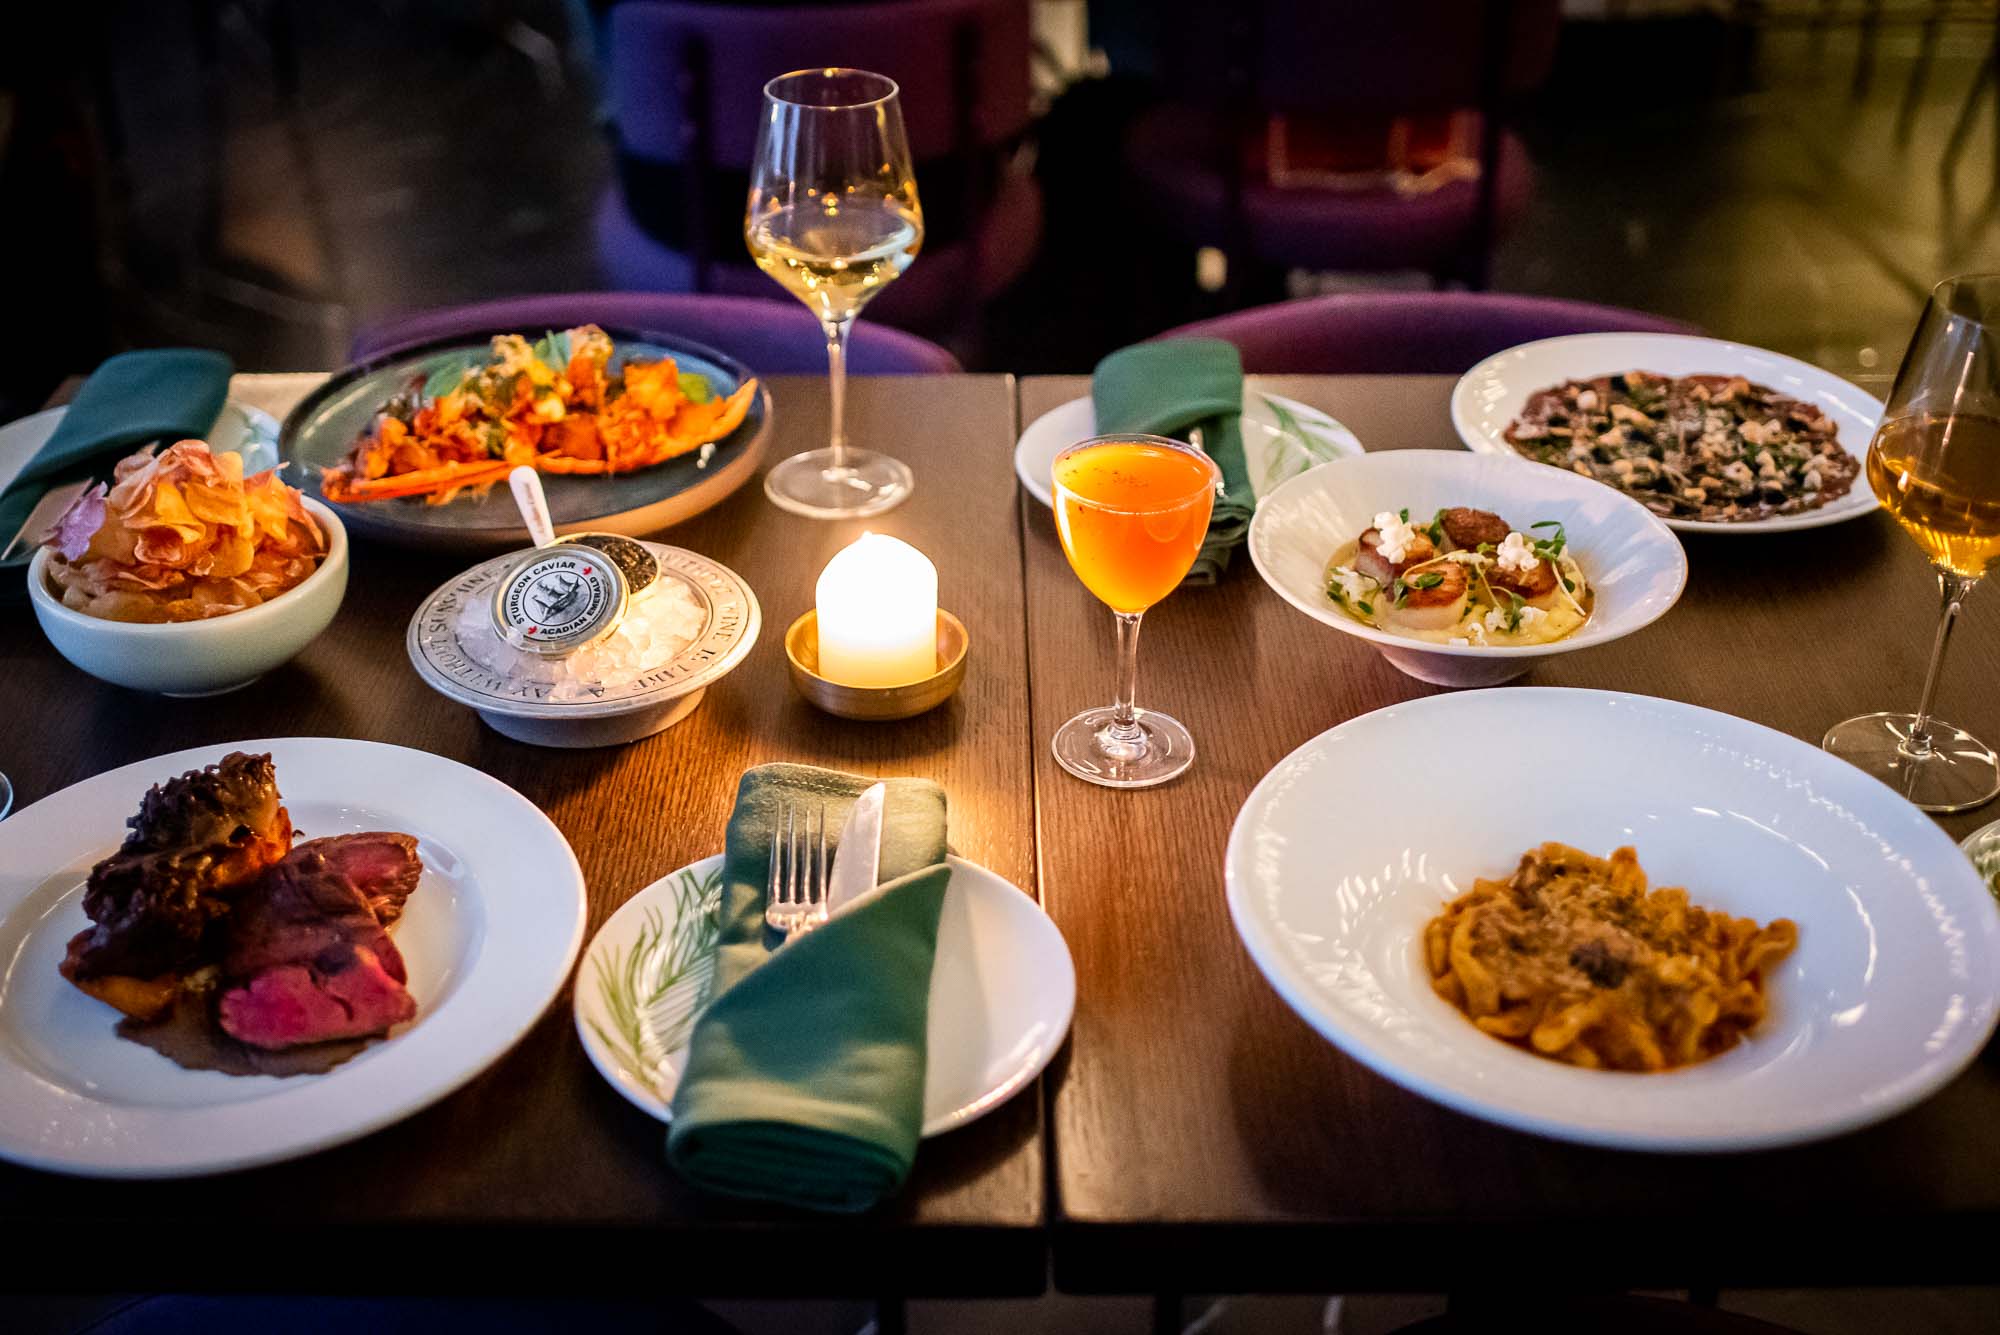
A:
1205	1140
556	1180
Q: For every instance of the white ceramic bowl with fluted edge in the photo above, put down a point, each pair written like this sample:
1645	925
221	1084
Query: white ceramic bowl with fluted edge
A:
207	657
1631	559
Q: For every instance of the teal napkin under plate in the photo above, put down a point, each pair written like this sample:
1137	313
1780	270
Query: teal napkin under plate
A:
805	1076
1173	388
165	394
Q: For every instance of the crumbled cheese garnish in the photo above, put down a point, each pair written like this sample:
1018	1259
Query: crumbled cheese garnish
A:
1394	536
1586	399
1354	586
1497	619
1812	478
1738	472
1477	632
1530	615
1516	554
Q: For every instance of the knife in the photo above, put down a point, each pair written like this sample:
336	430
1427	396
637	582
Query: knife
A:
858	856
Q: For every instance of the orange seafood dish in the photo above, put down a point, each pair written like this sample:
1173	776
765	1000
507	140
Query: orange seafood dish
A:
554	405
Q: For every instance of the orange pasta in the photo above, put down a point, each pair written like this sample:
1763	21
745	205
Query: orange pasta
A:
1572	957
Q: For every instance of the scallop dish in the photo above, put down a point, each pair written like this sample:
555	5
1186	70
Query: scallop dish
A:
1464	577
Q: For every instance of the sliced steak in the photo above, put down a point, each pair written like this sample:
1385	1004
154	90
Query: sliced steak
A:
308	955
292	1004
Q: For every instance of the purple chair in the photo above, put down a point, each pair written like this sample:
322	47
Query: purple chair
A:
770	336
1407	333
687	83
1230	66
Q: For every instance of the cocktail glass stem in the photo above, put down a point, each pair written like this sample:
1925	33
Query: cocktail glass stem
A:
1123	737
836	381
1952	589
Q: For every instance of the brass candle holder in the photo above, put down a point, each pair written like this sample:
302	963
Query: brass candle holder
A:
878	704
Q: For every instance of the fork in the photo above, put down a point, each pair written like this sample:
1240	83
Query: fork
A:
795	897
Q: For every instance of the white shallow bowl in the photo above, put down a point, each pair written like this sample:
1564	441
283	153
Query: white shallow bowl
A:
199	657
489	937
1627	554
1344	851
1491	395
1003	990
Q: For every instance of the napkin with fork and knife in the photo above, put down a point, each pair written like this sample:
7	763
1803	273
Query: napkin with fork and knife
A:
804	1081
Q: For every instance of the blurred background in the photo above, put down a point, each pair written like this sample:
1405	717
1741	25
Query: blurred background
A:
270	176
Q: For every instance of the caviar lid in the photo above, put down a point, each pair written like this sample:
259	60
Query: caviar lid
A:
639	566
560	598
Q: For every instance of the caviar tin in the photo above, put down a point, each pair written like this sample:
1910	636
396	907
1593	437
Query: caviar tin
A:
453	638
558	599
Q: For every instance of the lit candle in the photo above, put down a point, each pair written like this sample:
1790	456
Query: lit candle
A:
877	602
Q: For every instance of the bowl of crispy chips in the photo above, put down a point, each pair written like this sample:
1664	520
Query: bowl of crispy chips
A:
184	577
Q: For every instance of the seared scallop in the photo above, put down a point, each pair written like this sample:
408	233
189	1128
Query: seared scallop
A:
1530	585
1435	607
1369	560
1468	528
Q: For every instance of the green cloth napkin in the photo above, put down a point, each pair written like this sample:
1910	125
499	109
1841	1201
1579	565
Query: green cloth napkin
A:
1170	388
134	397
805	1076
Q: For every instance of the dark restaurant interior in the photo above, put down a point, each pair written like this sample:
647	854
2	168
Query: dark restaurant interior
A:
686	604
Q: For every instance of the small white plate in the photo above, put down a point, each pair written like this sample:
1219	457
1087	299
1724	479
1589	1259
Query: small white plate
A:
1281	439
1002	992
1635	565
1353	842
250	431
1491	395
488	936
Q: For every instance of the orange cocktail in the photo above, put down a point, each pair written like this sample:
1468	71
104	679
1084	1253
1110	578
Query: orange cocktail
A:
1132	514
1132	511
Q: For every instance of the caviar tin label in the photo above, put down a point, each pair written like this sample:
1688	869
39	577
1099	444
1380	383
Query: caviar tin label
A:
560	599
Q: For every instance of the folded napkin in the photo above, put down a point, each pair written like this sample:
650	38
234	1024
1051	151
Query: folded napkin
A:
1172	388
805	1076
158	394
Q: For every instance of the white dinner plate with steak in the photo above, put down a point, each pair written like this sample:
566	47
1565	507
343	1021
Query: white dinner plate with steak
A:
198	973
1711	436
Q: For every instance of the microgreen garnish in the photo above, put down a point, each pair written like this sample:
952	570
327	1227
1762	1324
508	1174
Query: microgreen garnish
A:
1430	579
1406	514
1484	549
1436	530
1367	609
1548	549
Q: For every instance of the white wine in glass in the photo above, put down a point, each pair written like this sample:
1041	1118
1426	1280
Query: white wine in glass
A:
834	218
1935	466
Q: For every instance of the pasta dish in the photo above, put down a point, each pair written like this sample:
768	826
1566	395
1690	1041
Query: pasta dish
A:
1572	957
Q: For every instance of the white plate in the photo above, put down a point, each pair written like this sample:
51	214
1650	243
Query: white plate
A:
1352	843
1002	992
1281	439
1635	565
1491	395
241	427
489	936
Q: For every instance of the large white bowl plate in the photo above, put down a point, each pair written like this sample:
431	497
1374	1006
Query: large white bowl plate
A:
1354	841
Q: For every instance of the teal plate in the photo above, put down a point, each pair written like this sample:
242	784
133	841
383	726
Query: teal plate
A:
325	425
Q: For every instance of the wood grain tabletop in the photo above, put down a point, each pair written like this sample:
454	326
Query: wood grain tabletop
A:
1204	1139
559	1182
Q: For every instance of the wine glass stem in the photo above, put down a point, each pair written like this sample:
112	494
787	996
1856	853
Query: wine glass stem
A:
1124	711
1952	588
836	383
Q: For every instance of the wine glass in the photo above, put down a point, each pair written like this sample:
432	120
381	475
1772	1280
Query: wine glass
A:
833	216
1935	465
1132	512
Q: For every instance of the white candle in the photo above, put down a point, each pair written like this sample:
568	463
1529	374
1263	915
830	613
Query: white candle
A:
877	602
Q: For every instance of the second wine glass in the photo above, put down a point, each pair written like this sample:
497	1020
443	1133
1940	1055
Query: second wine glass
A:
833	217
